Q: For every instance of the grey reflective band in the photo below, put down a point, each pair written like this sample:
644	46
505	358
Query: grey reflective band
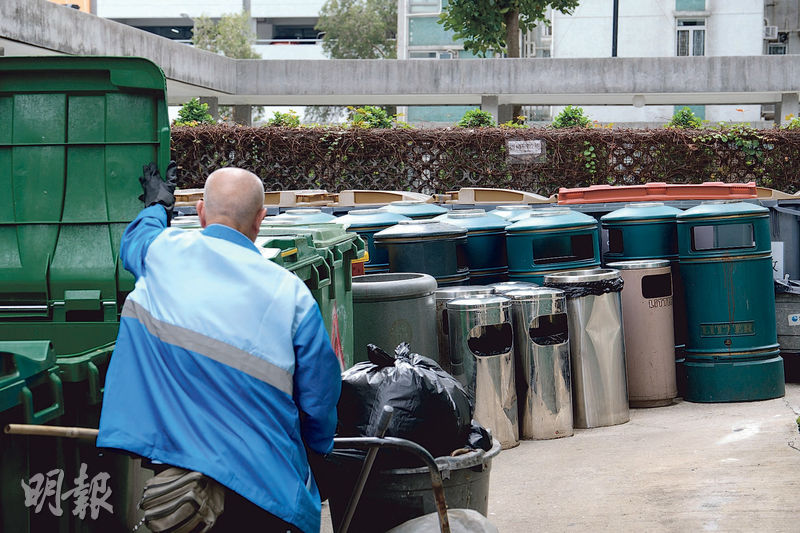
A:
214	349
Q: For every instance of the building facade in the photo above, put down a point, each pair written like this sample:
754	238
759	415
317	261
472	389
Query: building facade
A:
284	30
662	28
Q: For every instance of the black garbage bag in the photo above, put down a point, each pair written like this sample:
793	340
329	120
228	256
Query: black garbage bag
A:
479	438
431	407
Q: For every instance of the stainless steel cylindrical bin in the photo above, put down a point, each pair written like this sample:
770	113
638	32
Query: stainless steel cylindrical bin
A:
391	308
444	295
508	286
482	359
596	345
541	350
649	334
426	246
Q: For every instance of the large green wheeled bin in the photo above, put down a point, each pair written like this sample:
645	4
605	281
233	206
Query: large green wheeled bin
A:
726	263
75	133
30	393
338	249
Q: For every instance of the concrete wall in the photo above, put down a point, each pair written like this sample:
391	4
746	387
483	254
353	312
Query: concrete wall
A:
290	51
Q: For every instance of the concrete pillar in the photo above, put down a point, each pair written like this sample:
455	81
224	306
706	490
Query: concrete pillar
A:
790	105
243	114
505	113
490	105
402	25
213	105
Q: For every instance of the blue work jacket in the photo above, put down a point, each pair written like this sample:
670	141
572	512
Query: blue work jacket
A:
218	354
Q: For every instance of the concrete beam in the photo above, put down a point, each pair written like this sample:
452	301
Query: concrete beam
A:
42	27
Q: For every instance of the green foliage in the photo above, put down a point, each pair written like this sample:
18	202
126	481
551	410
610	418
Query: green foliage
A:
684	118
476	118
193	113
793	123
284	120
571	117
737	136
483	25
359	29
368	117
518	124
232	36
591	158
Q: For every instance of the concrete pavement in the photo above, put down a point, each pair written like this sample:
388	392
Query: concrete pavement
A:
687	467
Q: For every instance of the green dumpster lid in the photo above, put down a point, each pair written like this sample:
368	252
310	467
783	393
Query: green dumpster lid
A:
644	212
723	208
323	235
23	359
75	133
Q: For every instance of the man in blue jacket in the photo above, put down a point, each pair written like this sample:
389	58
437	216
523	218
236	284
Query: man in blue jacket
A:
222	363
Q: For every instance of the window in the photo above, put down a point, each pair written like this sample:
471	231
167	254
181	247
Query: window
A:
722	237
432	55
423	6
776	49
691	37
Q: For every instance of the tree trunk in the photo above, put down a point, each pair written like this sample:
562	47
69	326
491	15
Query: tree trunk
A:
512	48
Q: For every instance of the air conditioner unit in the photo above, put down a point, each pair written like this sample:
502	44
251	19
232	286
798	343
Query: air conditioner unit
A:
770	33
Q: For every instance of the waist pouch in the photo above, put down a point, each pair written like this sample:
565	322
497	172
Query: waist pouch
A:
180	501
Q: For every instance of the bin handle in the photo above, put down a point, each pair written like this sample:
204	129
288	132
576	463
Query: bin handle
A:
95	389
318	279
48	413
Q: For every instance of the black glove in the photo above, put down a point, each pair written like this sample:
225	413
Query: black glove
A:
156	190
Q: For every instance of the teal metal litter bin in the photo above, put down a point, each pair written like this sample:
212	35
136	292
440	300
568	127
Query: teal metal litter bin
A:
427	247
549	241
367	222
726	263
485	248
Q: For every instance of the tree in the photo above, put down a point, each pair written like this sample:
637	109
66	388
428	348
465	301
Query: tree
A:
355	29
359	29
232	36
494	25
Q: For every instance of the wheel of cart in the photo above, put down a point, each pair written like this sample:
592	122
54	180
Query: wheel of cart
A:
401	500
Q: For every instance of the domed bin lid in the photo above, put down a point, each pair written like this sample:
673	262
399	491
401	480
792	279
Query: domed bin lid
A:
509	211
368	218
473	219
415	209
642	212
559	218
392	286
420	229
640	264
578	277
306	216
492	301
723	209
451	293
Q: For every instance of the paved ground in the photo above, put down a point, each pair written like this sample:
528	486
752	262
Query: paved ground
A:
687	467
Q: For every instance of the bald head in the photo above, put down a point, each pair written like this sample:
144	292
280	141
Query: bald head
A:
233	197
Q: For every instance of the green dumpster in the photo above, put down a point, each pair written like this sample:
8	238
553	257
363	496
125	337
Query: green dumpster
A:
338	249
30	393
74	135
726	263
